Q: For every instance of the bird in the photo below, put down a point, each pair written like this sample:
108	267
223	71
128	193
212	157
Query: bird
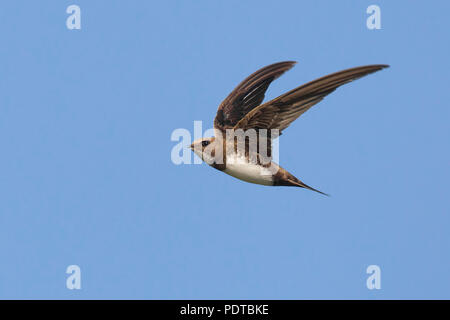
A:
243	111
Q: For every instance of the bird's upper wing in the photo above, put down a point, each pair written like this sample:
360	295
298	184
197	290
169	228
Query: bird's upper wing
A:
280	112
248	95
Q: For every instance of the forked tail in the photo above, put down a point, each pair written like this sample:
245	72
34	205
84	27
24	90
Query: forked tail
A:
300	184
284	178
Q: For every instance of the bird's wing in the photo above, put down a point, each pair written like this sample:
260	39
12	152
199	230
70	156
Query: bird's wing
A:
248	95
280	112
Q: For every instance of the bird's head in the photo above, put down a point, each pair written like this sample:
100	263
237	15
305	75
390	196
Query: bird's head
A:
204	148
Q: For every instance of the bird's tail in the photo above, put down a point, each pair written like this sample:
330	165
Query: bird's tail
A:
284	178
300	184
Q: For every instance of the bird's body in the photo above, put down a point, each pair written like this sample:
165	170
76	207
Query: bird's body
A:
249	172
245	128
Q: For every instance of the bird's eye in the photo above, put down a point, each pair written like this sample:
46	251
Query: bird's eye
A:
205	143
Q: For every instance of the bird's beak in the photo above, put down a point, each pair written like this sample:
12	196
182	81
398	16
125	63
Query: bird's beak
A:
191	146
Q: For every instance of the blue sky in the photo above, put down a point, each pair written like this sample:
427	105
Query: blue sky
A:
86	176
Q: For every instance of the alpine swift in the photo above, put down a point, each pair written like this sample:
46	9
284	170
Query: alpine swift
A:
243	111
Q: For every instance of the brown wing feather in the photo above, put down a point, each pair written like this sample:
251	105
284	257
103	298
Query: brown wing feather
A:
248	95
280	112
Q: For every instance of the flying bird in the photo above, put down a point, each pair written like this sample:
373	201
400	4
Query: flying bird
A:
243	111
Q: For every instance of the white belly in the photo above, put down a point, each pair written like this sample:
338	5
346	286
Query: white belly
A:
249	172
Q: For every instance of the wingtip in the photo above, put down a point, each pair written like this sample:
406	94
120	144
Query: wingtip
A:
379	67
290	63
